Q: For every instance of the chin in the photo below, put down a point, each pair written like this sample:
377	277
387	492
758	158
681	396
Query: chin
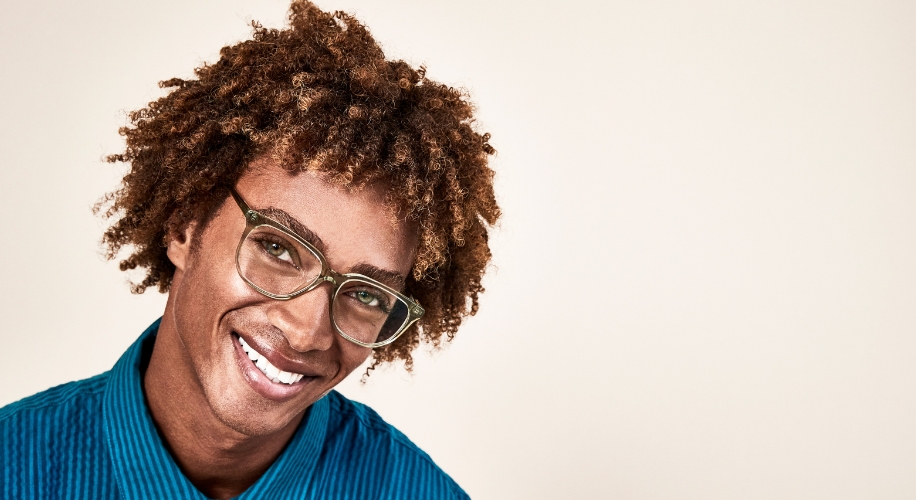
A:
233	402
252	417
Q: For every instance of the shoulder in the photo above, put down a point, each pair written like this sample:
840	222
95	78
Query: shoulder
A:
80	396
358	424
73	410
53	439
360	442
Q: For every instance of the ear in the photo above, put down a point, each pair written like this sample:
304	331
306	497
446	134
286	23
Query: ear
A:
179	248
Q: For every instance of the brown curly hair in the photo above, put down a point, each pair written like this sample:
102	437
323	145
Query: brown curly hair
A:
319	96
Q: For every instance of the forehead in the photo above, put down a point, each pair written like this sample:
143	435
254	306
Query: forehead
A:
355	226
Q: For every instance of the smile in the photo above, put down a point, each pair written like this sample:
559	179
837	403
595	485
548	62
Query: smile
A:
275	374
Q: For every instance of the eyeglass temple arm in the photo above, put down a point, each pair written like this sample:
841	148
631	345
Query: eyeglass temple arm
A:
241	203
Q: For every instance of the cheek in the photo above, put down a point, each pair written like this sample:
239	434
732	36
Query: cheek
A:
211	285
208	288
351	356
211	274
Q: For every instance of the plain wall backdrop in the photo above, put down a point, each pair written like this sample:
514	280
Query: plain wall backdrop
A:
704	283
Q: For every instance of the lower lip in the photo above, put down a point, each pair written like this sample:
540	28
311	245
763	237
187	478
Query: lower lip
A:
260	383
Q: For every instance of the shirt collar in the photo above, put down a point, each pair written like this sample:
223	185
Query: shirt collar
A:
145	469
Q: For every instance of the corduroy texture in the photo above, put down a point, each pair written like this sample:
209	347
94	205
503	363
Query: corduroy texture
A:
94	439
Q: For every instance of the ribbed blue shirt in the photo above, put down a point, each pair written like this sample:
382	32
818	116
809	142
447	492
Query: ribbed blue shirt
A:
95	439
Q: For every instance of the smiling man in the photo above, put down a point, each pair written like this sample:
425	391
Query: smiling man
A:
307	205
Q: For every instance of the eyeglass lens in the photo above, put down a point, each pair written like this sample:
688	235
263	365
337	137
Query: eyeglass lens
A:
277	263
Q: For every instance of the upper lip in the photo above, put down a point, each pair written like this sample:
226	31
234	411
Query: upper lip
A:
278	359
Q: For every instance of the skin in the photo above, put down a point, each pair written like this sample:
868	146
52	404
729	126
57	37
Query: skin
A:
220	417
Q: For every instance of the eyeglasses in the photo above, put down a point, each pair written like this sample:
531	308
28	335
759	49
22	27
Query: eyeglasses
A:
280	264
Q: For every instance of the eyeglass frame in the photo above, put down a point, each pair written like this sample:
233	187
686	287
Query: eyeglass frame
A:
255	219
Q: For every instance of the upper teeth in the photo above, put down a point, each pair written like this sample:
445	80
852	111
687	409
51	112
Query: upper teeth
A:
273	373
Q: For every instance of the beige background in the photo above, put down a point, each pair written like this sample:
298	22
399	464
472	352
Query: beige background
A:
705	280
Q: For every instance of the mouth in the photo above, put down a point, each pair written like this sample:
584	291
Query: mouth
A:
265	378
273	373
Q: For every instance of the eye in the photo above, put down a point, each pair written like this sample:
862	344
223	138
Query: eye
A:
367	298
370	298
277	250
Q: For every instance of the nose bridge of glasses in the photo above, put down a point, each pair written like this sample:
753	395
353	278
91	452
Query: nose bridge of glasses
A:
316	284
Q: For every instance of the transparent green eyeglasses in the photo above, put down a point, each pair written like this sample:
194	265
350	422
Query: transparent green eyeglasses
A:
280	264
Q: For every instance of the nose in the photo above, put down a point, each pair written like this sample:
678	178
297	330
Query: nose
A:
305	320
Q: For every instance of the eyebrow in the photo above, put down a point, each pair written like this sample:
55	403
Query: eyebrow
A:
283	217
390	278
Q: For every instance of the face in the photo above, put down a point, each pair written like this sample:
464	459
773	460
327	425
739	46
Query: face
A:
235	339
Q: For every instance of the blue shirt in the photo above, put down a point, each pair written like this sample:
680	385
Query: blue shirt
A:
95	439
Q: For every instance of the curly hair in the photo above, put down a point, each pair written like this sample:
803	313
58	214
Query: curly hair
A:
318	96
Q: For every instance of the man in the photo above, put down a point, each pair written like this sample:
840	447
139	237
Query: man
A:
307	204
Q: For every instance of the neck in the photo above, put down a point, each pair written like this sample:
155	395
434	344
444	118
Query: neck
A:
219	461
